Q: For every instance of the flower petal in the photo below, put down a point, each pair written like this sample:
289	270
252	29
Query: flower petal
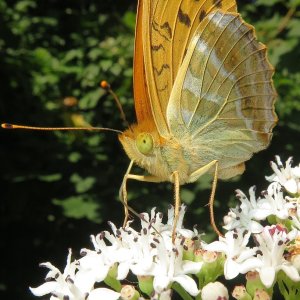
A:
267	276
103	293
250	264
188	284
231	269
165	295
291	272
216	246
85	280
160	283
123	270
291	186
44	289
191	267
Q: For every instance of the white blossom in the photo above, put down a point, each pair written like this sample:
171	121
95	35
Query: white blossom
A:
287	176
164	257
69	285
275	203
150	252
240	258
272	243
170	267
247	215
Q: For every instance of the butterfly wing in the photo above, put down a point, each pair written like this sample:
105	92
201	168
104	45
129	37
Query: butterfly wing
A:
223	97
141	97
163	32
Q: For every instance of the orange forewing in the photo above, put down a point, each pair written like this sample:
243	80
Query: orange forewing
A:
163	32
141	97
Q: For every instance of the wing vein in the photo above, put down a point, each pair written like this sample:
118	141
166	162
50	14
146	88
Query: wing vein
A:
205	68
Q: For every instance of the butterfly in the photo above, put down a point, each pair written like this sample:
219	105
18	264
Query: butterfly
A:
203	93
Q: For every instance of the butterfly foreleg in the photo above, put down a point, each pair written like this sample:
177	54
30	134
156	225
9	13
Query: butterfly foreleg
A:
123	193
123	189
198	173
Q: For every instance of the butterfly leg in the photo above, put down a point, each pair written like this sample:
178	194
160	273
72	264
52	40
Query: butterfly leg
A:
123	193
123	189
211	202
149	178
198	173
177	202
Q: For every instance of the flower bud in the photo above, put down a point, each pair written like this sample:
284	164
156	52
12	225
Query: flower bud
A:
128	292
253	282
261	294
240	293
213	291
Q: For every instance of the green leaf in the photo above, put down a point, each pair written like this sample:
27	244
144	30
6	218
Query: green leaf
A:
129	19
82	184
268	2
23	6
73	54
187	195
74	157
76	207
280	47
294	3
294	28
91	99
50	178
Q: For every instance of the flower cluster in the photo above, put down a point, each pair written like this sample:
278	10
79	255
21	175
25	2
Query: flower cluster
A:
262	241
157	259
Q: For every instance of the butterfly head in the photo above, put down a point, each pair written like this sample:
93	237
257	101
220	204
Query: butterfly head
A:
142	143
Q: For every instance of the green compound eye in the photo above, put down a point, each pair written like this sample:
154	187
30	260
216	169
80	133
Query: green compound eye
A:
144	143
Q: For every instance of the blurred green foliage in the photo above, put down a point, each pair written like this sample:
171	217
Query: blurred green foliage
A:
57	188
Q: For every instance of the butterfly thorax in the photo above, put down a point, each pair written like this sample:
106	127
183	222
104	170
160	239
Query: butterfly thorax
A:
160	156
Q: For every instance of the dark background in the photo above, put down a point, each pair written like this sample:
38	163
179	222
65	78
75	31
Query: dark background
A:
58	188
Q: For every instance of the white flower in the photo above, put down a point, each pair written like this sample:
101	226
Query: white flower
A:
92	267
165	295
286	176
71	286
169	267
272	243
119	252
58	283
150	252
213	291
252	210
160	258
103	293
295	217
275	203
247	215
239	257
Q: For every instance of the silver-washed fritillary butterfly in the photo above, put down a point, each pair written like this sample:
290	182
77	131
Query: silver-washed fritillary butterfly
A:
203	90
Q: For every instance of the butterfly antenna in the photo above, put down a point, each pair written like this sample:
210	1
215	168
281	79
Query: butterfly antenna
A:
106	86
88	128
